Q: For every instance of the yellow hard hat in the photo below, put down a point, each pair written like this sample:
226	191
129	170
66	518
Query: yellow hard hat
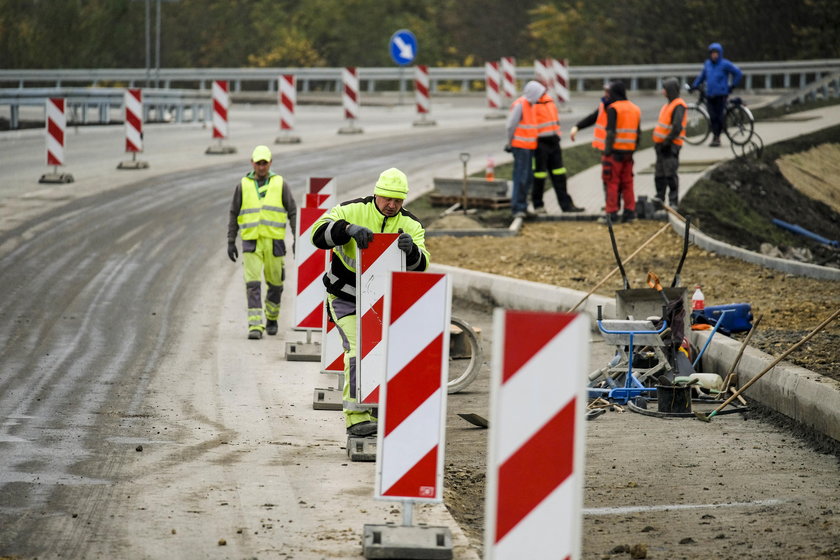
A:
392	183
261	153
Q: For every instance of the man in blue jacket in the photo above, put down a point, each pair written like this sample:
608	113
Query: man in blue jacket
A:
716	73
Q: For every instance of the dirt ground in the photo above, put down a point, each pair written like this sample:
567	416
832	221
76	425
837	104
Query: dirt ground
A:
578	255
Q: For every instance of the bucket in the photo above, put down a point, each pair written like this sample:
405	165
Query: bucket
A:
673	398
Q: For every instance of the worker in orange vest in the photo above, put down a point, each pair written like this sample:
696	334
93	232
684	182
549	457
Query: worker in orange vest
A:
522	142
617	132
548	158
668	138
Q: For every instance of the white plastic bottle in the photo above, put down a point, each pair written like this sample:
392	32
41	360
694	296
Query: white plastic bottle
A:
698	300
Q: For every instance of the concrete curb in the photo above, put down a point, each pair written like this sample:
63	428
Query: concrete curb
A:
807	397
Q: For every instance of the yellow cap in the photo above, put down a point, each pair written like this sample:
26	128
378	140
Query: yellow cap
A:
261	153
392	183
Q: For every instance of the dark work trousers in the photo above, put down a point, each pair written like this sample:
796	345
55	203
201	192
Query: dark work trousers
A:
665	173
717	110
548	160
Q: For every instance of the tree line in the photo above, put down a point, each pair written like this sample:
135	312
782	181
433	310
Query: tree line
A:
307	33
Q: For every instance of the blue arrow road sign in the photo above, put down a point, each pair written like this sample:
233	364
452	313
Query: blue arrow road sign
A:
403	47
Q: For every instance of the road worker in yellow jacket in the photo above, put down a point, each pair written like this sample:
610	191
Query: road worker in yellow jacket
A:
262	210
345	229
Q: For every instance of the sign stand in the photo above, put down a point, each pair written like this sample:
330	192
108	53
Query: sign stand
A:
304	351
411	438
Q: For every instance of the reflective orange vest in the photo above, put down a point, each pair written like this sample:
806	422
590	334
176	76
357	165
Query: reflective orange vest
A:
525	134
548	121
663	125
600	128
628	116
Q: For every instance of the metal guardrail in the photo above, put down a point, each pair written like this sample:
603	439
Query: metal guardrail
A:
827	87
757	75
158	104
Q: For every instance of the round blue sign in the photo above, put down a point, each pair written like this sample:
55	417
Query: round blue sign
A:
403	47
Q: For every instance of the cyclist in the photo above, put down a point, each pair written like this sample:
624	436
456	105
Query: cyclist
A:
716	73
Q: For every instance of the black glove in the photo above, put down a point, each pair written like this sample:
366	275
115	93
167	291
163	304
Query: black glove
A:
665	148
232	252
362	235
405	243
508	148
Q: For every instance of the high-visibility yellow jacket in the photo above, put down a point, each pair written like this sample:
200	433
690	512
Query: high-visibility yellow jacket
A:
330	232
262	213
664	124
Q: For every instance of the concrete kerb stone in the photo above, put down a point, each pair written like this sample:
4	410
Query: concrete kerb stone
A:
805	396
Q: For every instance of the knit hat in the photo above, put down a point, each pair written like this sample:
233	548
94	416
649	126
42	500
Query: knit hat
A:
261	153
392	183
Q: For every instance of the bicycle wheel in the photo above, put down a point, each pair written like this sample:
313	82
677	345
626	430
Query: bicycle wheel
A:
698	125
739	125
465	355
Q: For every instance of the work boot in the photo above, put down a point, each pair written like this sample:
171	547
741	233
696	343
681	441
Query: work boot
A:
271	327
255	334
628	216
362	429
574	208
715	142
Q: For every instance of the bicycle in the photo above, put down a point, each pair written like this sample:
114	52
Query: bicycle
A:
738	124
465	355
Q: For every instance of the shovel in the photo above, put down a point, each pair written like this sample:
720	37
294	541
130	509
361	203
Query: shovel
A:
809	336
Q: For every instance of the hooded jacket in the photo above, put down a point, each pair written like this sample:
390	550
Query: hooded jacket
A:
670	126
531	93
716	74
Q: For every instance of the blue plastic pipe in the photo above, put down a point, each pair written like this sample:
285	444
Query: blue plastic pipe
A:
802	231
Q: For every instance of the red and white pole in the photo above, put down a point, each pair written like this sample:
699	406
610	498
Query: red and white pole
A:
287	98
221	106
56	128
542	72
373	273
309	300
350	99
492	79
509	77
561	79
133	102
422	95
535	463
410	446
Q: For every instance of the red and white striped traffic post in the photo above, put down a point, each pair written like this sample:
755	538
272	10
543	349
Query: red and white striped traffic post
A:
542	71
287	99
56	127
412	415
221	106
325	191
350	99
536	453
373	268
561	80
310	292
492	85
133	101
422	95
509	78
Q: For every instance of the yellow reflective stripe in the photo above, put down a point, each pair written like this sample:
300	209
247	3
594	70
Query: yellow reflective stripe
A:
540	174
559	171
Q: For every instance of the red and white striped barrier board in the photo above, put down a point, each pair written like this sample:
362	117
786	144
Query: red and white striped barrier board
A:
373	273
350	95
492	81
332	347
561	79
287	92
56	127
313	200
309	259
421	89
536	452
133	120
542	71
413	397
509	77
221	104
323	186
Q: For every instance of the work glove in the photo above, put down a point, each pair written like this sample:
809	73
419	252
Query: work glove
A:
362	235
232	252
405	243
508	149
